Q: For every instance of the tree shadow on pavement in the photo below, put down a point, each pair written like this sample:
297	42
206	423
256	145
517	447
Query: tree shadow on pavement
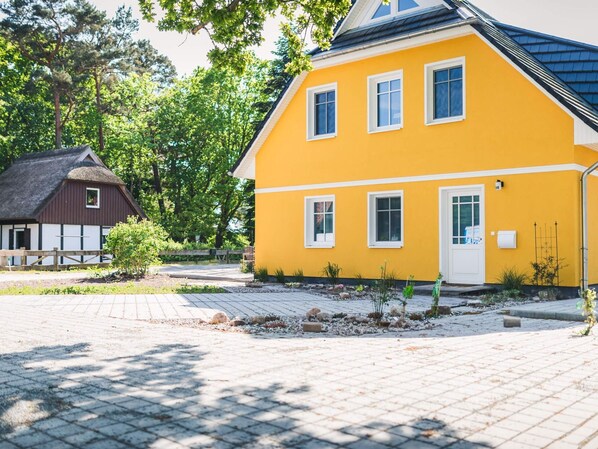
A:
68	396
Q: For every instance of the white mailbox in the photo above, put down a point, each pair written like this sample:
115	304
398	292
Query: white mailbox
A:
507	239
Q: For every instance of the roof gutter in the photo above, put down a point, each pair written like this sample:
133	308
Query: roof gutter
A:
327	55
584	226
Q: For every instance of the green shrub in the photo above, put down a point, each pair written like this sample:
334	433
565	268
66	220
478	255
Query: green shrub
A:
383	290
436	296
261	274
246	267
546	271
407	293
279	275
332	271
512	279
136	245
298	275
588	308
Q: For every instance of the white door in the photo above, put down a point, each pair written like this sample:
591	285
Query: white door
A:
465	236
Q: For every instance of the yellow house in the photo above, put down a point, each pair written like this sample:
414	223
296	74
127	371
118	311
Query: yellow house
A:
434	138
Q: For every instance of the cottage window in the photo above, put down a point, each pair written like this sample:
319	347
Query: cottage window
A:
92	198
445	91
319	221
385	220
386	102
321	112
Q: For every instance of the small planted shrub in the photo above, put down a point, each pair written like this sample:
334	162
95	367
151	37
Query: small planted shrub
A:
383	290
407	294
332	271
279	275
588	308
298	276
246	267
546	271
436	296
136	245
261	274
512	279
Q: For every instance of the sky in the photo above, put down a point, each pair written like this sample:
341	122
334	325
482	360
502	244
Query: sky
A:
572	19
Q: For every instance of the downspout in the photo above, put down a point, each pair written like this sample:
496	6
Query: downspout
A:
584	226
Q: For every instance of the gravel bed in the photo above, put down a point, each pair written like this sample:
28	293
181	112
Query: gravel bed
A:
285	326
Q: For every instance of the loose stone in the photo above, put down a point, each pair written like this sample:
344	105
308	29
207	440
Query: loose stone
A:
312	327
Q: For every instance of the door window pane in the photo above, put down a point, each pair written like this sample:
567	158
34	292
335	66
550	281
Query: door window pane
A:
466	220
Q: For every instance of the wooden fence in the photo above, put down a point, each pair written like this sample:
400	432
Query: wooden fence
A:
33	259
222	255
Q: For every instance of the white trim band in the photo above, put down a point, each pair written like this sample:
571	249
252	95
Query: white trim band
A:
423	178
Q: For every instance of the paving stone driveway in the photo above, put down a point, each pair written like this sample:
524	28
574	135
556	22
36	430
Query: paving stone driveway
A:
203	306
71	380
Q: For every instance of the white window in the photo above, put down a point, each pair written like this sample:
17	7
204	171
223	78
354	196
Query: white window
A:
445	91
385	101
385	219
319	221
322	112
92	198
394	8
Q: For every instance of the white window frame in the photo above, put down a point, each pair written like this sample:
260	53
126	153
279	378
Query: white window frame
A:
373	101
372	216
394	10
429	70
87	189
308	221
311	112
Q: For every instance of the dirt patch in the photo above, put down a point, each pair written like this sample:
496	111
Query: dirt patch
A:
153	280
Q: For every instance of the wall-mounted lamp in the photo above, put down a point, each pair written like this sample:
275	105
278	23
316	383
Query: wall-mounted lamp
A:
499	184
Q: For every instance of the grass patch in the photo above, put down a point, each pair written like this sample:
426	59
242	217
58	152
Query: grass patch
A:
128	288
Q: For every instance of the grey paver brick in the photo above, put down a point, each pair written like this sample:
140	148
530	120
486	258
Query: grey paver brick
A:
153	385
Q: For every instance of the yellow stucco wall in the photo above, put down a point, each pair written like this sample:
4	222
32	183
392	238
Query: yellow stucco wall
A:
509	123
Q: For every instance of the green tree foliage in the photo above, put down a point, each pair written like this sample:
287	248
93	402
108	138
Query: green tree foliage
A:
25	115
46	32
235	26
174	148
136	245
171	141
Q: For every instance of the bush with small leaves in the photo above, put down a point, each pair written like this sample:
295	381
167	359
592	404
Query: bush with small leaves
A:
588	308
135	245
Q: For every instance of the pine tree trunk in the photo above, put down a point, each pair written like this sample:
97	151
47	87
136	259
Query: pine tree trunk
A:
101	144
57	119
158	188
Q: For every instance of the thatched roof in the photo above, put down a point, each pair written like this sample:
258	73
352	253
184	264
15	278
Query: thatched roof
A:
33	179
